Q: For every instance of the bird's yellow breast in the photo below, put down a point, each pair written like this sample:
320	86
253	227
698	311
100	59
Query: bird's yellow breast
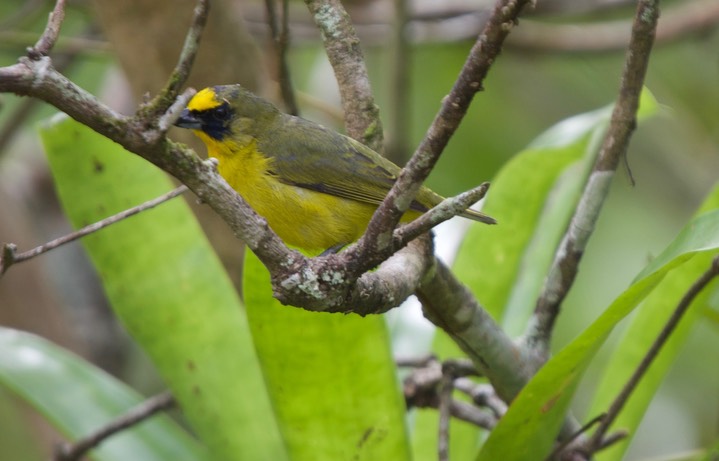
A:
300	217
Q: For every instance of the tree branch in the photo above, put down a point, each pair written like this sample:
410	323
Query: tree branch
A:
343	50
451	306
683	19
164	100
565	266
431	383
447	209
10	257
52	31
400	66
280	42
75	451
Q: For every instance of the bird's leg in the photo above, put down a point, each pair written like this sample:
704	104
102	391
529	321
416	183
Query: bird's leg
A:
334	249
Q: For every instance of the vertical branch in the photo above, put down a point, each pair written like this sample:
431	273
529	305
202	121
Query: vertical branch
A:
445	404
49	36
167	96
280	43
623	122
400	63
343	50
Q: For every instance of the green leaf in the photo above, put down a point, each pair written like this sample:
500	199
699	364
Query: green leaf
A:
527	431
331	378
648	321
166	285
78	398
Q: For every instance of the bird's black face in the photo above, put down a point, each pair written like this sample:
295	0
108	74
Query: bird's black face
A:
214	122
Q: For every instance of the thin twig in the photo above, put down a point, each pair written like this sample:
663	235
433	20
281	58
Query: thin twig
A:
288	93
343	50
422	388
136	415
400	65
565	443
483	395
173	112
10	257
280	43
415	362
621	399
49	36
445	402
12	39
565	266
165	98
447	209
681	20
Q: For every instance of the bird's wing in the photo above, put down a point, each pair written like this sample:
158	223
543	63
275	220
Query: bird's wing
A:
312	157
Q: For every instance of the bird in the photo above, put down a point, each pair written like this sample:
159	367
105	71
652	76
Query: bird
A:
317	188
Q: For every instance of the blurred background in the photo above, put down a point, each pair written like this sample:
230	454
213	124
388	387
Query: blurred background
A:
564	58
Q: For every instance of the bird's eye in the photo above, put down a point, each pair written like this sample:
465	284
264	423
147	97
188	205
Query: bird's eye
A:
222	112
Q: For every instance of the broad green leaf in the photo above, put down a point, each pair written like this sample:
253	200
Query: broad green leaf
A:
648	322
331	378
78	398
168	288
527	431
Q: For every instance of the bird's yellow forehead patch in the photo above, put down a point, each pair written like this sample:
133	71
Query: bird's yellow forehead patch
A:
204	100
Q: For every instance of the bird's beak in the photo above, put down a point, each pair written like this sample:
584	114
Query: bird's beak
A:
187	120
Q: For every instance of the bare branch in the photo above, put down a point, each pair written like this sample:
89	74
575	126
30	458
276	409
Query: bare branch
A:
423	388
10	257
179	75
448	209
569	440
623	122
679	21
280	42
445	401
173	112
343	50
483	395
52	31
400	65
75	451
